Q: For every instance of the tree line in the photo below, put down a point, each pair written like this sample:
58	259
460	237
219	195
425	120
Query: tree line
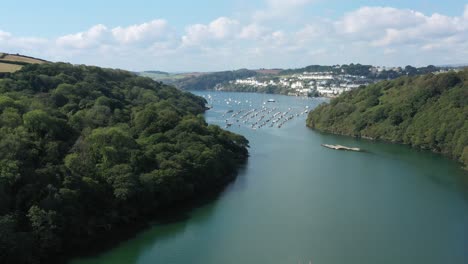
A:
210	80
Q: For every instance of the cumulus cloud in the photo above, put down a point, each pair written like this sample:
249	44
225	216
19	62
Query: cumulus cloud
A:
252	31
82	40
434	28
218	29
4	35
99	35
150	31
14	44
371	19
319	31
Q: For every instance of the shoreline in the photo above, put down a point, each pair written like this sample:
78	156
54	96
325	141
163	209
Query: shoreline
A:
180	211
371	139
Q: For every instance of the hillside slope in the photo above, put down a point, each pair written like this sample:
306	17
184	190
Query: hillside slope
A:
426	112
210	80
14	62
85	151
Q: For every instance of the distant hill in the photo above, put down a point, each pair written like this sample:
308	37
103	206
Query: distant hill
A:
157	72
205	80
269	71
167	77
209	80
458	65
427	112
14	62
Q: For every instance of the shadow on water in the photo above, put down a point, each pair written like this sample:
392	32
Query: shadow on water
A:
144	236
183	213
436	166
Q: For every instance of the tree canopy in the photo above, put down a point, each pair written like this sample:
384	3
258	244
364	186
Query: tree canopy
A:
428	112
85	150
210	80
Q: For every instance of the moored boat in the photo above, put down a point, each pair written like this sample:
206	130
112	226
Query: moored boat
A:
340	147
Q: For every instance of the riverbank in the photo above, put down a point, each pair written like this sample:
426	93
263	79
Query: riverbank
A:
171	214
374	139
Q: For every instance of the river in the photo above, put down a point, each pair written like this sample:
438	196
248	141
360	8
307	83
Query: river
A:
298	202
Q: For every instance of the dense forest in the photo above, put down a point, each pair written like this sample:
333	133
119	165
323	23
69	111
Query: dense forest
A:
85	151
269	89
427	112
210	80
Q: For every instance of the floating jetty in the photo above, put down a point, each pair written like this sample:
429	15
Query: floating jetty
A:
340	147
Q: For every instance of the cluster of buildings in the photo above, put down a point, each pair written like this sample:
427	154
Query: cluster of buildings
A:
326	84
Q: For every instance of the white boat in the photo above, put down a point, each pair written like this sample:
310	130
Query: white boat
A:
271	100
340	147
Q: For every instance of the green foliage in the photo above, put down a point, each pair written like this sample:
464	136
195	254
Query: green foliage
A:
210	80
363	70
85	150
270	89
427	112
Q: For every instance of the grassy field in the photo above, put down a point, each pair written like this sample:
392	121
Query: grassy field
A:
155	76
169	76
20	58
14	62
7	67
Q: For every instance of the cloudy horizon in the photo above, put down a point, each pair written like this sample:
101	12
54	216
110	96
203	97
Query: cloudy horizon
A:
276	34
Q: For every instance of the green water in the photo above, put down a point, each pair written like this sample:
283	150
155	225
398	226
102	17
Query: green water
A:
297	202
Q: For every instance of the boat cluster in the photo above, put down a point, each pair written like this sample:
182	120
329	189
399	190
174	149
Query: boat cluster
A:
261	117
268	115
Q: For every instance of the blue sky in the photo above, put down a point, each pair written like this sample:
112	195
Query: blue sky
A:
218	35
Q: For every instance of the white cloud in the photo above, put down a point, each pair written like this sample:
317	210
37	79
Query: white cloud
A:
372	19
430	29
83	40
278	37
4	35
223	27
218	29
314	32
100	35
149	31
13	44
252	31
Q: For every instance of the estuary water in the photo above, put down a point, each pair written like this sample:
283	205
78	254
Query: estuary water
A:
298	202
